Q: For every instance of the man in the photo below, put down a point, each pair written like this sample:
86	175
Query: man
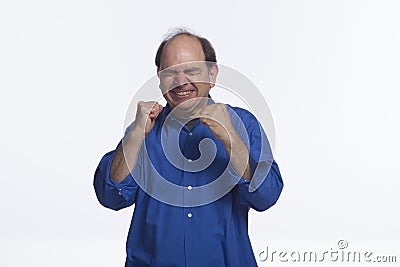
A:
191	196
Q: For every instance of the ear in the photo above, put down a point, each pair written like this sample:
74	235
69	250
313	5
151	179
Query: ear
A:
213	75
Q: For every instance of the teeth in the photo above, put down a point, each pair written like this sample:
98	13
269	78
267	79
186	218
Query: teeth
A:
183	93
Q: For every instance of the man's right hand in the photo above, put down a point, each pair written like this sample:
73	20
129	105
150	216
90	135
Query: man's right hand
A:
146	115
127	154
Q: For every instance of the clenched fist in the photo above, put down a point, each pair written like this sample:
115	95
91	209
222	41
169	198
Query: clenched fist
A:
146	114
216	117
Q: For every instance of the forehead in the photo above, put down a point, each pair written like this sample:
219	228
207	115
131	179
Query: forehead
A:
191	66
181	49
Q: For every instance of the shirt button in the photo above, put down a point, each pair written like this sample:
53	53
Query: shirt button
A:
190	133
189	187
190	215
120	192
190	160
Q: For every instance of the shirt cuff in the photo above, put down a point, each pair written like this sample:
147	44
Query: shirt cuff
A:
122	187
259	173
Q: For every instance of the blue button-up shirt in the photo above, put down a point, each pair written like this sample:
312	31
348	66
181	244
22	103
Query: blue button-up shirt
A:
179	229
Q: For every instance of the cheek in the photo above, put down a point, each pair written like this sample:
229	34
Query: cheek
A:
164	86
203	88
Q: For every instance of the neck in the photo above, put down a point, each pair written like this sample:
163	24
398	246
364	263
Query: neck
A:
189	112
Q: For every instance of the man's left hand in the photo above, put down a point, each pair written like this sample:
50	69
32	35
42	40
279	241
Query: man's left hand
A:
216	117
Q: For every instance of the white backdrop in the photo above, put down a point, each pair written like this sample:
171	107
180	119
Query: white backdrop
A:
328	69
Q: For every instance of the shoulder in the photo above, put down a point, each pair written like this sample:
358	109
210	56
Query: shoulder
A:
245	115
244	121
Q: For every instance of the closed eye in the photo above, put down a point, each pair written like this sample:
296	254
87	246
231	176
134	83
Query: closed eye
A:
193	71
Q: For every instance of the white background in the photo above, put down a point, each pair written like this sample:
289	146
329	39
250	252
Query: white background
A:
328	69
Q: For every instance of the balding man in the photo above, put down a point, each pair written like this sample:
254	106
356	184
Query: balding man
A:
198	215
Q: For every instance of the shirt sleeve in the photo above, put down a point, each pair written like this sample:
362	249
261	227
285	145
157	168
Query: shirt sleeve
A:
266	194
110	193
266	184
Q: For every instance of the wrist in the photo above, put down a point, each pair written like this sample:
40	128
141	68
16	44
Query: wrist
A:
137	133
230	141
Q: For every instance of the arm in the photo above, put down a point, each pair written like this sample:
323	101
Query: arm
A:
247	145
266	194
239	155
266	185
126	155
114	184
110	193
217	118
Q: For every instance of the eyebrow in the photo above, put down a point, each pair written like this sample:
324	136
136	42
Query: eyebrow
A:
168	71
172	71
192	69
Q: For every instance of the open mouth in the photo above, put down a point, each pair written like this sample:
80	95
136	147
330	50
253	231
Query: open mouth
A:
183	93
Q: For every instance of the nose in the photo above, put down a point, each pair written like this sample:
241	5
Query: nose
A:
181	79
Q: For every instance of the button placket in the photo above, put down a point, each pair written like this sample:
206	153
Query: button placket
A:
188	188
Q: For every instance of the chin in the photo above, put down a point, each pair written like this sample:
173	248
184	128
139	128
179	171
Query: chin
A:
188	108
